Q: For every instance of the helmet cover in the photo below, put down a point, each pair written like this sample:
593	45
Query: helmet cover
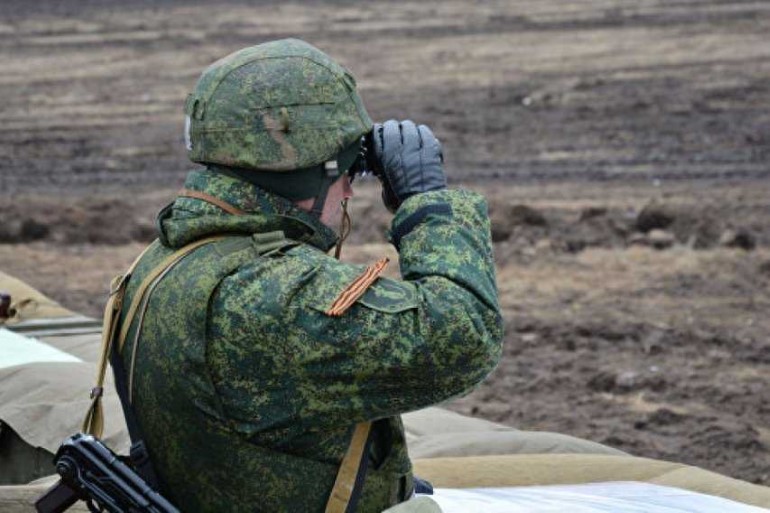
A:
279	106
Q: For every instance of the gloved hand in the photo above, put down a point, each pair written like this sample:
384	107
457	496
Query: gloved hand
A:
411	160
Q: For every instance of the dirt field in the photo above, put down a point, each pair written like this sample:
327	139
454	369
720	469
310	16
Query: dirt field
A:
624	147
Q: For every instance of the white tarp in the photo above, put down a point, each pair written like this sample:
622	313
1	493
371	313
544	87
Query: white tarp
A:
16	349
614	497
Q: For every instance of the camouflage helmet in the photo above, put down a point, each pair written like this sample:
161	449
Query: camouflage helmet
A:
280	106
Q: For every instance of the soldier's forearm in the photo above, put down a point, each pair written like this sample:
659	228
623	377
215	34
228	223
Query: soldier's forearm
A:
447	234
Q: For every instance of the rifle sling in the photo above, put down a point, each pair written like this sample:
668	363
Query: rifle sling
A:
352	473
94	421
138	454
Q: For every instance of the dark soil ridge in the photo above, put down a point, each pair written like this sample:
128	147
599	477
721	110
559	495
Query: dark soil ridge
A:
518	226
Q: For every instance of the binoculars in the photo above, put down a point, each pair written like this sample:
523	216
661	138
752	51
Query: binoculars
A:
367	162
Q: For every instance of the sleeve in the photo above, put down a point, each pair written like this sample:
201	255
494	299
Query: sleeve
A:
405	344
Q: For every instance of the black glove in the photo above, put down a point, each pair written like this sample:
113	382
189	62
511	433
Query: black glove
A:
411	160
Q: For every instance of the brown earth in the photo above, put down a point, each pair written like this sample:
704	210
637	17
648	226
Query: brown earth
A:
624	147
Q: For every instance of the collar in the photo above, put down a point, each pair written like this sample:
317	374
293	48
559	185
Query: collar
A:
190	218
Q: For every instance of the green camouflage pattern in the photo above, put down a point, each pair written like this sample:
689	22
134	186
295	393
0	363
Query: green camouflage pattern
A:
248	392
278	106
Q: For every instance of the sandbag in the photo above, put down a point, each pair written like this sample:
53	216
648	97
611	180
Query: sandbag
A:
20	462
610	497
437	433
44	403
39	305
553	469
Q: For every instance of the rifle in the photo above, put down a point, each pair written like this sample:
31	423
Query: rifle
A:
93	473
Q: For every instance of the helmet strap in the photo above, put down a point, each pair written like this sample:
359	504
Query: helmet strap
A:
320	199
331	175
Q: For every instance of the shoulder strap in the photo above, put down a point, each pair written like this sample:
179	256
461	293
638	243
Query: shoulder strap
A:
94	420
208	198
140	457
352	473
152	276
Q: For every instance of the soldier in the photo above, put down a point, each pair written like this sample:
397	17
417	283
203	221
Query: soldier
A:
250	357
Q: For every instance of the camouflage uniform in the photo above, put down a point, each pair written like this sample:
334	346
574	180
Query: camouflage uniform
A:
246	388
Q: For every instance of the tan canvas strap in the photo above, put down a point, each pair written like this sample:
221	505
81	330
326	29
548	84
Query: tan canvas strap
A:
208	198
264	243
146	301
94	421
150	278
348	472
350	468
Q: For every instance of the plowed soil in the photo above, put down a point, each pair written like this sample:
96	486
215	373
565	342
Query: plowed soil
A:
624	147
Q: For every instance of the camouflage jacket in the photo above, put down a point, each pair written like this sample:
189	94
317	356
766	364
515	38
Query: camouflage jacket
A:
247	390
